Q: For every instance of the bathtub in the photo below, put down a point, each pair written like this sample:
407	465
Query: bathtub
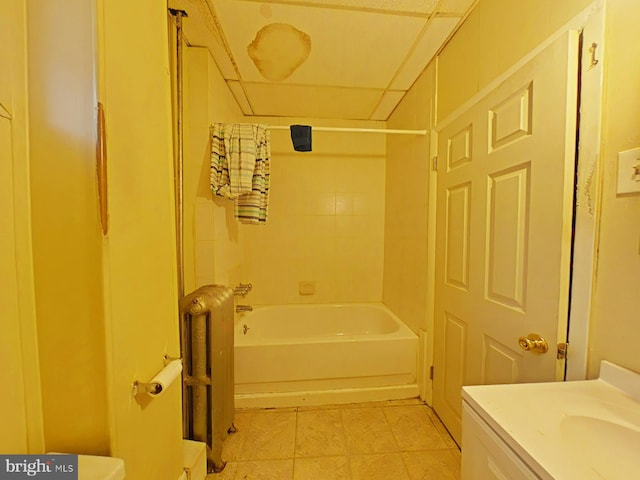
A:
289	355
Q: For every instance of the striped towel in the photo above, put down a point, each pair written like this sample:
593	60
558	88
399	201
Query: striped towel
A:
240	165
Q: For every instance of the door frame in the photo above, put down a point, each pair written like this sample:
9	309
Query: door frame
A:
584	259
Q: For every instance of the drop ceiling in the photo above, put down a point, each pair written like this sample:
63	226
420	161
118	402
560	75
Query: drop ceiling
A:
346	59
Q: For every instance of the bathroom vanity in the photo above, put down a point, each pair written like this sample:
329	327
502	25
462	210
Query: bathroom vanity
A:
566	430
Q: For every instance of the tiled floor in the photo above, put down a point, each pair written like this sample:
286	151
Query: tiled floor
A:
388	440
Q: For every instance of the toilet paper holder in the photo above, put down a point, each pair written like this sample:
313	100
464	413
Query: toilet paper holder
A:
150	388
153	387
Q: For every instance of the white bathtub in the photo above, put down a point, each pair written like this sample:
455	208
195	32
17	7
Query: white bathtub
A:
288	355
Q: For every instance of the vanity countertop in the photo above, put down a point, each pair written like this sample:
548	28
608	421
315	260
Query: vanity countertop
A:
568	430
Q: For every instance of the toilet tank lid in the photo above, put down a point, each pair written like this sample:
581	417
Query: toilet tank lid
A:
100	468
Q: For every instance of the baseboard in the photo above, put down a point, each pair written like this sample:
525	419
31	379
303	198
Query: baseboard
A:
325	397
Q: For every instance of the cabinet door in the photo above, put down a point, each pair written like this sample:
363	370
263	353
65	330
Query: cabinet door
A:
485	456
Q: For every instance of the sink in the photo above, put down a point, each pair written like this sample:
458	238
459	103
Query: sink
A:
588	403
579	430
607	444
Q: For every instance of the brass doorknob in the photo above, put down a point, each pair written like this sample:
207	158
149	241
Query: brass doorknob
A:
533	343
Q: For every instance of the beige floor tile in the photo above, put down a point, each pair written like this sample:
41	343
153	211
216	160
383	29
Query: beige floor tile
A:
264	470
367	431
269	409
320	433
312	408
383	466
233	444
413	429
384	403
363	405
321	468
398	439
446	436
271	435
228	473
404	401
433	464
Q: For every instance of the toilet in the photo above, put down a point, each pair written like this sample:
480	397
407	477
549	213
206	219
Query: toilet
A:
91	467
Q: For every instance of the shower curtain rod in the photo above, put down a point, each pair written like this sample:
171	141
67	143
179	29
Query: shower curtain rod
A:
359	130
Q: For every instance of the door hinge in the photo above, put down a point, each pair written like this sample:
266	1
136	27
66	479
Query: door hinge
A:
435	163
431	372
592	51
562	351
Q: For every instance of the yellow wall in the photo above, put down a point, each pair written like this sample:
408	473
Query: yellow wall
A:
21	404
67	244
407	196
214	248
107	307
140	262
495	36
326	218
615	329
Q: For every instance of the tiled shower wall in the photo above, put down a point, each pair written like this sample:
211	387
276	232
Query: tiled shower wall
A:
326	218
213	245
406	264
326	213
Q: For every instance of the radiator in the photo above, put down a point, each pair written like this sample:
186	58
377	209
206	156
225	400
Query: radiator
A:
208	381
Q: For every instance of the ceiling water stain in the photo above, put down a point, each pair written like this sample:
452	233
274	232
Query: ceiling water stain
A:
278	50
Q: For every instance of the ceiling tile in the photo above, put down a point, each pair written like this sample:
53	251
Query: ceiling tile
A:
423	7
360	58
388	103
428	45
312	101
455	6
224	63
359	49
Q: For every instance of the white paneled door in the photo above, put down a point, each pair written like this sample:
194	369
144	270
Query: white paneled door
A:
503	229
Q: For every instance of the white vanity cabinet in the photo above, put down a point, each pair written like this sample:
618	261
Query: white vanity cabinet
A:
485	455
582	430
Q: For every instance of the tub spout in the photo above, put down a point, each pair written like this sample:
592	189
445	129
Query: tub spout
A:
243	308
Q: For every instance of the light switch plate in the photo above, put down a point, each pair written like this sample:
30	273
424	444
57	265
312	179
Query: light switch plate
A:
629	171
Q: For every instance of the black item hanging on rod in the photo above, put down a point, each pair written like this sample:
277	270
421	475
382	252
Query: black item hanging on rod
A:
301	137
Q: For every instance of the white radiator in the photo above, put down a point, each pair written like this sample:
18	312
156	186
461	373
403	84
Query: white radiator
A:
208	380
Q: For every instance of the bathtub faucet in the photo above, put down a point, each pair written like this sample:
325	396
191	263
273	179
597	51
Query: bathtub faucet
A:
243	308
242	289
